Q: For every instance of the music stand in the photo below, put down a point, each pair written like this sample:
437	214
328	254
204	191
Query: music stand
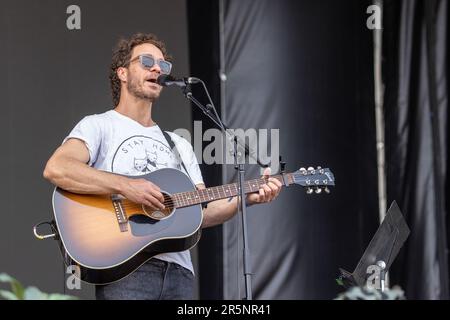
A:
382	249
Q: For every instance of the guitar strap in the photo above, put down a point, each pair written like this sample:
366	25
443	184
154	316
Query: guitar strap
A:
175	150
178	155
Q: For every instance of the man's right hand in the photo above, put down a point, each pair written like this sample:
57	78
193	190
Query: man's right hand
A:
68	169
143	192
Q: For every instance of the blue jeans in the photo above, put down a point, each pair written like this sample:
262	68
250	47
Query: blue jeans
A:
154	280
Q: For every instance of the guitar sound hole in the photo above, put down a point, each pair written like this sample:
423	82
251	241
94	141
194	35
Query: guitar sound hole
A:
161	214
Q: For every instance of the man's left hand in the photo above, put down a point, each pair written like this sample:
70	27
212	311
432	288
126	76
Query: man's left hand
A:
267	192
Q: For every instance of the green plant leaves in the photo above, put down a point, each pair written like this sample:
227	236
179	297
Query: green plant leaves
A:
8	295
18	292
57	296
16	287
33	293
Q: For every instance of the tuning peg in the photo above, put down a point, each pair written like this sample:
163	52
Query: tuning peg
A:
326	190
309	190
318	190
303	171
318	168
311	170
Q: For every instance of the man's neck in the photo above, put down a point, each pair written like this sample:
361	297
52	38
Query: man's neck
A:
137	109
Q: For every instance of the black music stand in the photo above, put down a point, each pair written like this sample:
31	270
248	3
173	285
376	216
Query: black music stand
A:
381	251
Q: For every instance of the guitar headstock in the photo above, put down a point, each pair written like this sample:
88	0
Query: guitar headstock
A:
315	180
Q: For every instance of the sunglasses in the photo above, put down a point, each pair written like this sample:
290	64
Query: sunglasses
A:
148	61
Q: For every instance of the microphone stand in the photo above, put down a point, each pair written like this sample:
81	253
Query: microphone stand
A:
242	208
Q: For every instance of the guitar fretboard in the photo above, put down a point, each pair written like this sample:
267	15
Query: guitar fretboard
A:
185	199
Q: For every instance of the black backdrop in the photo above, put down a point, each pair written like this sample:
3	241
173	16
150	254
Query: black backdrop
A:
415	74
306	68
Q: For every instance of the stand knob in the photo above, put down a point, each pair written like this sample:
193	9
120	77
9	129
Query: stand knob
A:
282	166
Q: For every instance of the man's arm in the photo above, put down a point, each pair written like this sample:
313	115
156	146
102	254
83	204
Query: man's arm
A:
68	169
219	211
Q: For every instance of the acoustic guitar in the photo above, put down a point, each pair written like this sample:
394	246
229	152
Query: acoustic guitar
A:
108	237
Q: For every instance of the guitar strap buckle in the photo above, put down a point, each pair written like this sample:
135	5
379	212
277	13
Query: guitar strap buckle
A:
40	236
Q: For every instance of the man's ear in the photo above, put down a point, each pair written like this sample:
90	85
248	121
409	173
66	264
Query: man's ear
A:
122	74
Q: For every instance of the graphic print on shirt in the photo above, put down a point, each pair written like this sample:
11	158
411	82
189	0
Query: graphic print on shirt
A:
140	155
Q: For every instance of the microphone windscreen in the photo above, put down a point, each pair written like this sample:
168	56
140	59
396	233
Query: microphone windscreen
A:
164	80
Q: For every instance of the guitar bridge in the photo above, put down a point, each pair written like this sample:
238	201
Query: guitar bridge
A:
120	212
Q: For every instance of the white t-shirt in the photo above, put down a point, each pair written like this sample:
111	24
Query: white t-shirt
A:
118	144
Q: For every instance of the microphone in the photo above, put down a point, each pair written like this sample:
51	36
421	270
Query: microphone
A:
166	80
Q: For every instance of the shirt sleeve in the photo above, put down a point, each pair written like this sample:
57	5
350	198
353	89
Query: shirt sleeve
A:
89	131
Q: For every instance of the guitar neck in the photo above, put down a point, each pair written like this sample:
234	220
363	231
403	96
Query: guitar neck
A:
186	199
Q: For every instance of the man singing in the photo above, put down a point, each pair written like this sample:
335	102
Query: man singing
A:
125	140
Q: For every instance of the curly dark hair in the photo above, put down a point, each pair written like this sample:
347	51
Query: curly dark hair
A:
122	55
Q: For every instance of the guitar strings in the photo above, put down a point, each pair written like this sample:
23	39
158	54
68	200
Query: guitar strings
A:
170	202
131	206
178	200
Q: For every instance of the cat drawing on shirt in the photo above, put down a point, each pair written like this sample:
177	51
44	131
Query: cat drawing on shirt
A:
141	164
152	161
